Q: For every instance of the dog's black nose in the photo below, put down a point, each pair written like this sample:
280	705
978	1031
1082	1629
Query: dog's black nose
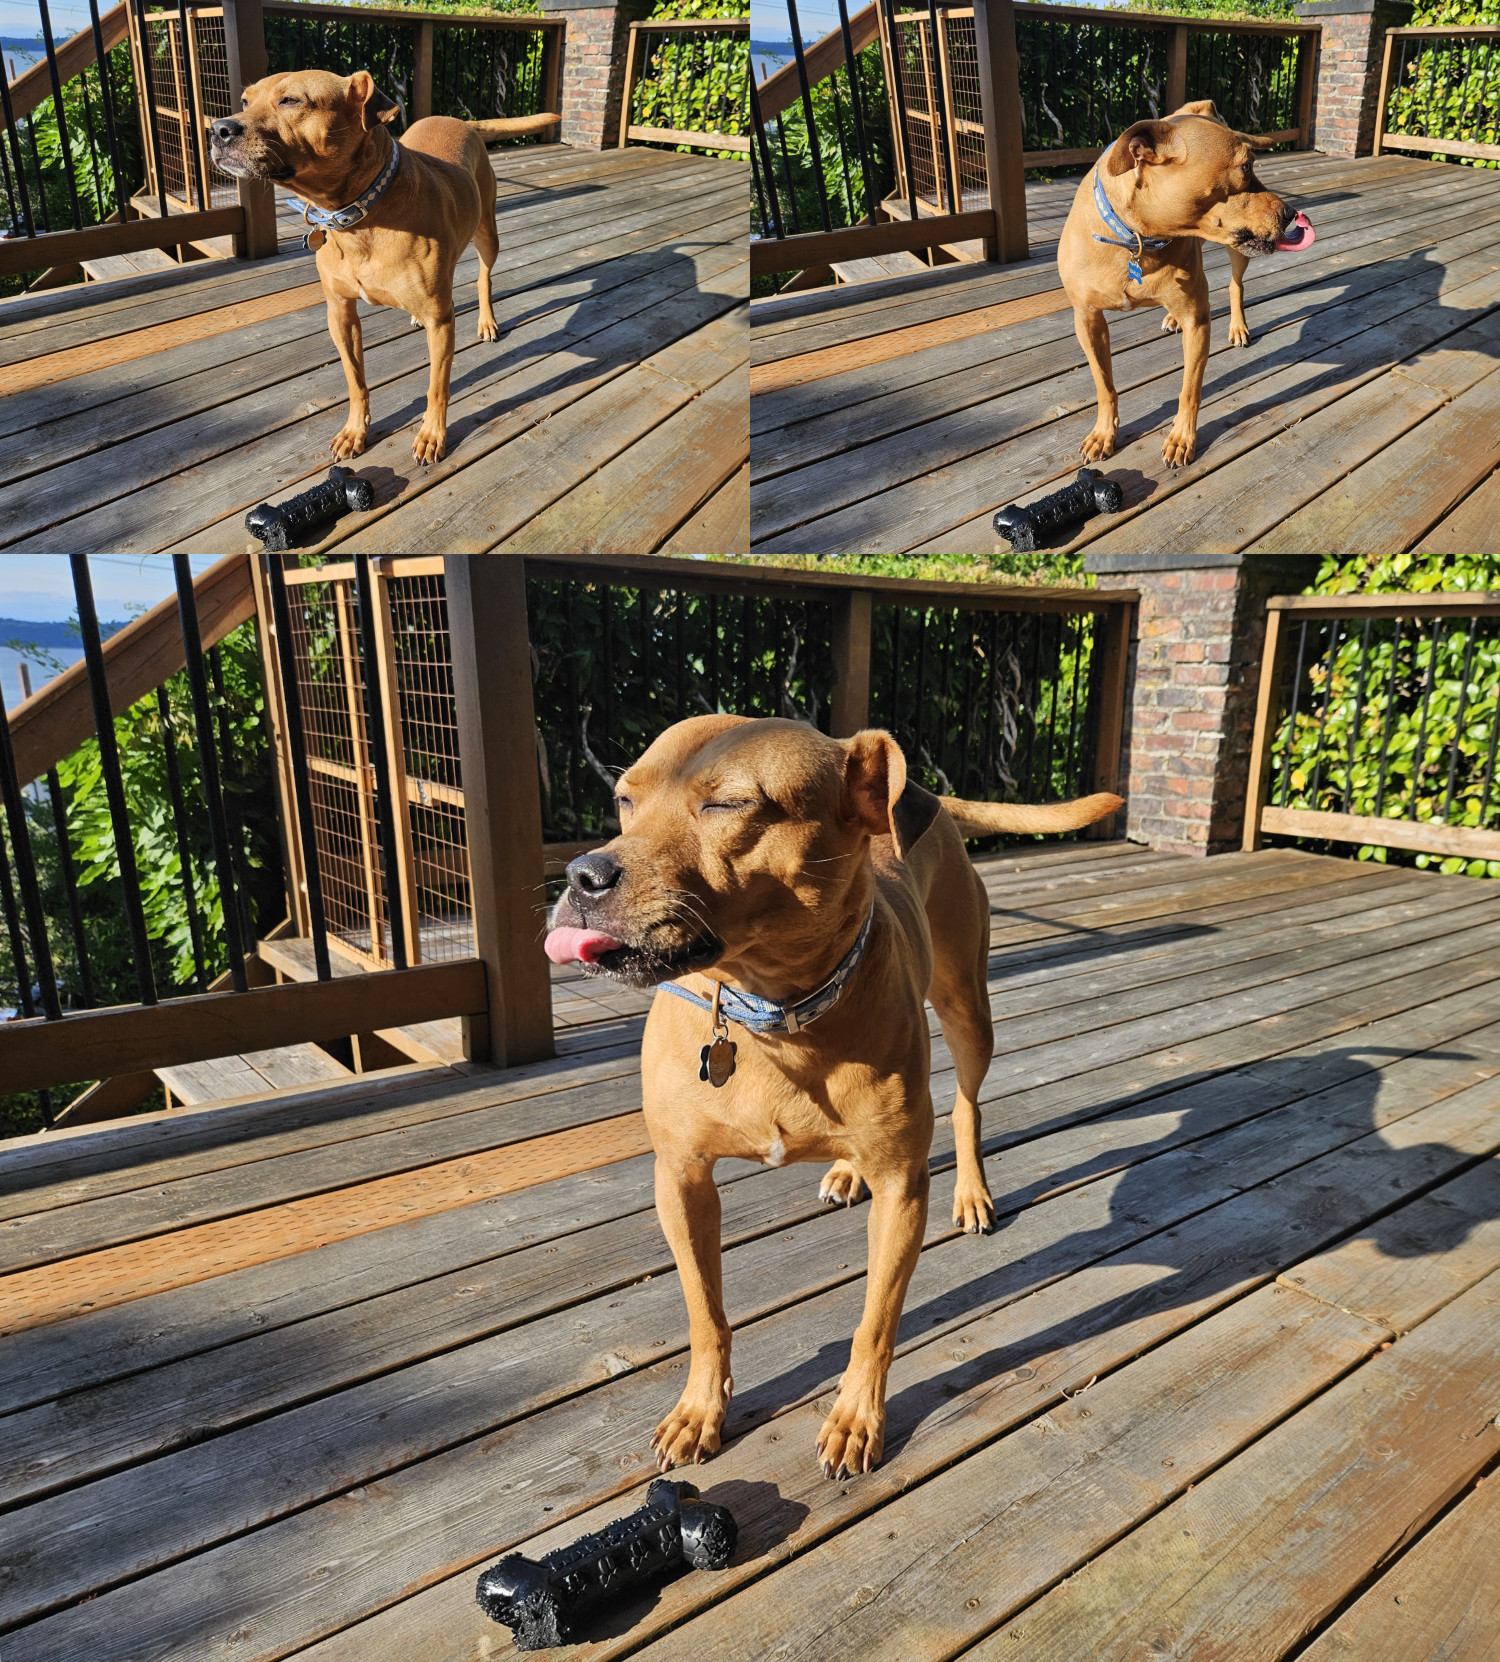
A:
226	129
594	874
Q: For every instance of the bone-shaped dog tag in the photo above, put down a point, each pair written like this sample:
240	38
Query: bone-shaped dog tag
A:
716	1062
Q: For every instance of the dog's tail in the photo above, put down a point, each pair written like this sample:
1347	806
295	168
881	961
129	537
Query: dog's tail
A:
513	126
985	819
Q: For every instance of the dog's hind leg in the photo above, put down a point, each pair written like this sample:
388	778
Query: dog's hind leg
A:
1239	330
960	995
487	247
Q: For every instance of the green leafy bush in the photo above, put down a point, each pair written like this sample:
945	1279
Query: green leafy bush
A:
1414	734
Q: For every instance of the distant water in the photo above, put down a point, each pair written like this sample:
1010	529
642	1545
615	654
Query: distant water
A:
18	60
10	671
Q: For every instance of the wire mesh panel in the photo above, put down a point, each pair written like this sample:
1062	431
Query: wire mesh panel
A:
994	706
434	807
915	63
966	116
211	95
325	628
167	72
1252	78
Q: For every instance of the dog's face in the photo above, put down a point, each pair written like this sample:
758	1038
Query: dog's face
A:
739	841
306	125
1195	177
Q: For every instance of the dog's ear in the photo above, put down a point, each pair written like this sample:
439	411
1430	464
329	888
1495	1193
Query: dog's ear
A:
884	801
1200	106
1147	144
368	101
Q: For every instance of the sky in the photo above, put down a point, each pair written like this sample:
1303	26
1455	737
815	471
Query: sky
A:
39	587
22	19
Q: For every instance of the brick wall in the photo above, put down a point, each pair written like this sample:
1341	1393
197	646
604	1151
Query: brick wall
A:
593	72
1195	670
1349	61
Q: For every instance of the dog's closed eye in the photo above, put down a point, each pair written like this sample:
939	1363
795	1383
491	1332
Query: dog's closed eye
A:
726	807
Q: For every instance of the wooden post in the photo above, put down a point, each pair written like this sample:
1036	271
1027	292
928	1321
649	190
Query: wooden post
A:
1004	129
286	820
552	56
1113	678
1385	81
502	802
631	70
1267	699
1177	69
852	610
421	78
245	57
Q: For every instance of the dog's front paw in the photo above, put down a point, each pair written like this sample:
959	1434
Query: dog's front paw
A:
973	1210
430	444
1170	325
1181	444
349	441
1239	335
853	1436
488	329
841	1185
1099	443
690	1433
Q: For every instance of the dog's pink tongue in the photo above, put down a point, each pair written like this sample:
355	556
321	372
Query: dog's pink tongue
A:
578	946
1298	235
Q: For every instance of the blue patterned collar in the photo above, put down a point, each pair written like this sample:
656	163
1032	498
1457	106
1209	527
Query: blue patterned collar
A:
1135	241
340	219
764	1015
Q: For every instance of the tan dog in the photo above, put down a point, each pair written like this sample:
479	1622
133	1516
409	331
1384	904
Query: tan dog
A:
1187	180
751	854
328	138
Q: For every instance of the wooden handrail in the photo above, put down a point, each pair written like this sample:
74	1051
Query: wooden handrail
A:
134	1038
33	86
782	89
55	720
794	583
376	14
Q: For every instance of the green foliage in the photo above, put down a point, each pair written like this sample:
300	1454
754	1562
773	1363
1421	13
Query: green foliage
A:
250	804
1003	566
1451	89
1331	756
88	161
695	83
1248	11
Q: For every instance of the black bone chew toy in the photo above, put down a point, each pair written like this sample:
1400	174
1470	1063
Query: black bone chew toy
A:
1089	494
544	1602
340	493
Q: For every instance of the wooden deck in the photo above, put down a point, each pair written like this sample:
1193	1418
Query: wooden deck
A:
151	413
897	416
279	1378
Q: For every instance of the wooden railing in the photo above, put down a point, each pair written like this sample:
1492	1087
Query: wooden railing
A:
685	85
1440	93
426	777
1377	721
188	65
977	94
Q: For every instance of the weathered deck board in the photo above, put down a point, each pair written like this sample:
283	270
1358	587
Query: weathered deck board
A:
272	1462
1357	352
152	418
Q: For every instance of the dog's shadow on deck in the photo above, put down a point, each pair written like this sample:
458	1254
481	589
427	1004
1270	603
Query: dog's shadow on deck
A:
1177	1263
